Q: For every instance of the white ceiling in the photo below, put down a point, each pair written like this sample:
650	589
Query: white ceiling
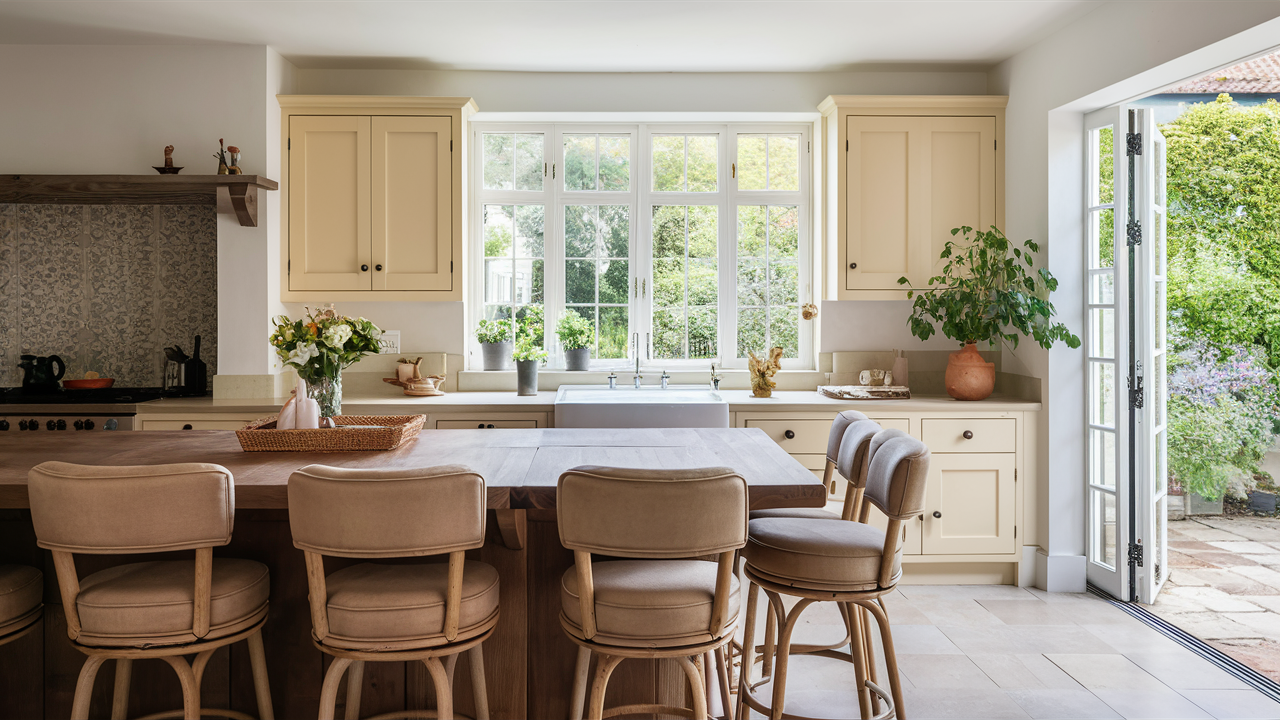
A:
564	35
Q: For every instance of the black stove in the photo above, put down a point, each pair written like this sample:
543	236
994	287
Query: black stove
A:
71	410
111	395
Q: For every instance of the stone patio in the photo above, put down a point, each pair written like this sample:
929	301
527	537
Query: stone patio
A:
1224	586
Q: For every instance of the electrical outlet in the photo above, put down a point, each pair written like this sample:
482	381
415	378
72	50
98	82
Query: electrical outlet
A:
389	344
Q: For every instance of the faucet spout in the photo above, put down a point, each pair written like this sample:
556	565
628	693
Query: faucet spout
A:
638	375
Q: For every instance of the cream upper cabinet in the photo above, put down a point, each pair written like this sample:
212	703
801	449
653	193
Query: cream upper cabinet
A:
902	172
373	198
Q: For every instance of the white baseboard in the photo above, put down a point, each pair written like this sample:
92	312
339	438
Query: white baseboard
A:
1060	573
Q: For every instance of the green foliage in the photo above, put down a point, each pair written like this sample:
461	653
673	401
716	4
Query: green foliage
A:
323	343
493	331
1214	294
985	294
526	349
575	332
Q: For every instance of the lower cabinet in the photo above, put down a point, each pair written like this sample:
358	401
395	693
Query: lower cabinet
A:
486	421
970	506
198	422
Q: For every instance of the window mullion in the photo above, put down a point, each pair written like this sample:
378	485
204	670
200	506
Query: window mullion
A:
726	300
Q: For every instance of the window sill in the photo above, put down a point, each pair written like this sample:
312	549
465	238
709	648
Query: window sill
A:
552	379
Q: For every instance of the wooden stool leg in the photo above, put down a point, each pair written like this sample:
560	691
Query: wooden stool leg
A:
748	656
120	696
770	646
696	689
890	657
444	688
722	667
329	690
604	668
580	680
84	687
190	690
784	653
869	643
479	689
857	651
355	688
261	687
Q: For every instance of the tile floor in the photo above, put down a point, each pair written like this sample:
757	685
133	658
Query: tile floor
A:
1224	586
986	652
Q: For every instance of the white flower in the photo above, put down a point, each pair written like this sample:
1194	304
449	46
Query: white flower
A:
303	353
337	336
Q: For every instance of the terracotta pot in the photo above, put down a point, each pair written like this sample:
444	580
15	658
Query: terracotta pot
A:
969	377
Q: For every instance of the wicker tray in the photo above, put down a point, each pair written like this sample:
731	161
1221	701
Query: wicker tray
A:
391	433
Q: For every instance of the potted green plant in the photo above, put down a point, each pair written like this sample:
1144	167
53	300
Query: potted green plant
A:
988	291
495	343
528	355
577	335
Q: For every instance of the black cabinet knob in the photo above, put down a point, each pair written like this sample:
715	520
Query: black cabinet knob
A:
853	266
968	434
789	434
378	268
481	426
937	514
79	424
490	426
88	424
364	268
187	426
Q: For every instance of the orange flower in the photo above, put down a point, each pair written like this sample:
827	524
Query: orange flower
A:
315	329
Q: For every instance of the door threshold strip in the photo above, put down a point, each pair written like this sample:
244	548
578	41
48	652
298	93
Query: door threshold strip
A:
1228	664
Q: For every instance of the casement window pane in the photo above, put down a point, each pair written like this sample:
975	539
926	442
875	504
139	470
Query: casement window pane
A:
685	281
1102	332
1102	232
597	248
597	162
1102	290
768	280
514	276
1103	182
685	163
512	161
769	162
1102	458
1103	545
1102	394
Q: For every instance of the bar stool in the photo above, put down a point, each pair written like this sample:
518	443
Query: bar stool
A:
157	609
850	563
659	601
395	613
21	594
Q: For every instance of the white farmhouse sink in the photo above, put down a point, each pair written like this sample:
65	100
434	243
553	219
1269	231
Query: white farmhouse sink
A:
595	406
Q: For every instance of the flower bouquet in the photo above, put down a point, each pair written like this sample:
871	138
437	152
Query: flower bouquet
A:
319	347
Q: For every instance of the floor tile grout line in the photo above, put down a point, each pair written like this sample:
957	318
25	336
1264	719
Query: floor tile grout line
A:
1228	664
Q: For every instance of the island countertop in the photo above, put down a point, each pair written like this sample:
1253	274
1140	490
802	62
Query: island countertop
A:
520	466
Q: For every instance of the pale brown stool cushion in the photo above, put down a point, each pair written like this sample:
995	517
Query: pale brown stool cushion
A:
649	603
371	604
151	603
831	555
21	590
807	513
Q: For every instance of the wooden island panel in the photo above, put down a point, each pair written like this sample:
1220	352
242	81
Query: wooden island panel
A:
528	660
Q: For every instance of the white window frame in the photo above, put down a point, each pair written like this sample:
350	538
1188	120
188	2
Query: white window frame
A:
641	198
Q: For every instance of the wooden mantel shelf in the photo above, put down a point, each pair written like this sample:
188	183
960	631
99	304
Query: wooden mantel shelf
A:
230	193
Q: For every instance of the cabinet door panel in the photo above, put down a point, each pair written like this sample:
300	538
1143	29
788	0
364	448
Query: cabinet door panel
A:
329	203
878	197
974	494
961	183
412	203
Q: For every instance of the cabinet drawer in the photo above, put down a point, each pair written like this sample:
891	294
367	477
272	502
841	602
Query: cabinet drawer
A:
193	424
807	436
484	424
986	435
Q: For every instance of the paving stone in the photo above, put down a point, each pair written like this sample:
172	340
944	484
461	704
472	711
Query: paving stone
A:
1211	598
1227	581
1183	560
1235	704
1262	655
1052	704
1265	624
1264	575
1269	560
1162	704
1227	560
1212	625
1246	546
1182	669
1204	533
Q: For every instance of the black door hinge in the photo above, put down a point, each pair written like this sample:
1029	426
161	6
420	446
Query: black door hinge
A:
1136	393
846	146
1134	231
1133	143
450	146
450	266
289	268
1135	554
290	141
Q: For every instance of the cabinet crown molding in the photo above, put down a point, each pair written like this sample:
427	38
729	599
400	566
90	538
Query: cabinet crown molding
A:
832	102
377	101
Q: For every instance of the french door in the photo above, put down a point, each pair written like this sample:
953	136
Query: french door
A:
1126	476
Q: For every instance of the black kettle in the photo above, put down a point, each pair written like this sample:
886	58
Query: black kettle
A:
38	374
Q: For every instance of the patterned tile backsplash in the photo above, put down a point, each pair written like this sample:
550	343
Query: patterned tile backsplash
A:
107	287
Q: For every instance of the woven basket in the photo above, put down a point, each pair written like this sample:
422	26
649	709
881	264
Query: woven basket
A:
393	431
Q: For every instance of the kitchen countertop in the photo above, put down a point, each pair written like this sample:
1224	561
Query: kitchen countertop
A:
391	401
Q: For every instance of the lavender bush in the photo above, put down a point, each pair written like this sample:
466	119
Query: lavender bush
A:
1222	403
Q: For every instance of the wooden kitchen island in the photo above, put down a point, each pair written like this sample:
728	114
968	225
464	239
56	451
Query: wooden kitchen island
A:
528	660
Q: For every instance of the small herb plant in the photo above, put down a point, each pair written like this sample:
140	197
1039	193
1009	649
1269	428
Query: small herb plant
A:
575	332
527	350
987	293
493	331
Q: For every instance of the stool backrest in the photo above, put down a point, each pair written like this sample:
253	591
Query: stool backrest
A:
851	463
409	512
652	514
640	513
130	509
896	476
838	427
364	513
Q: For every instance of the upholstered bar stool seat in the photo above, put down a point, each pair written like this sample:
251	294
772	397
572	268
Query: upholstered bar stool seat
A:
375	605
21	591
804	513
648	603
151	602
826	555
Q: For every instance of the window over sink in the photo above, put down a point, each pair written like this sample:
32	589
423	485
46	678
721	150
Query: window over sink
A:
682	245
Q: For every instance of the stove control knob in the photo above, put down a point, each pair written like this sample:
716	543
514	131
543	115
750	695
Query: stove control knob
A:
111	424
4	425
88	424
62	424
51	425
33	425
22	424
79	424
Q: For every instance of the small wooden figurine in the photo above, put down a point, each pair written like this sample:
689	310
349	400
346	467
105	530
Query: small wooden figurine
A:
167	168
762	372
234	168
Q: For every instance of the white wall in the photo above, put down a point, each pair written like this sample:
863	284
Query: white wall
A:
1119	51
